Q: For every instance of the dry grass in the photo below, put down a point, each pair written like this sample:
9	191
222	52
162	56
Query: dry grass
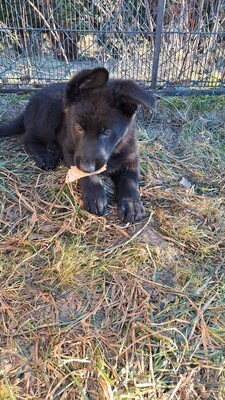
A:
94	309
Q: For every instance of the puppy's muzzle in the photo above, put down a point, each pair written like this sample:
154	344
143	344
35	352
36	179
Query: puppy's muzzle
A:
86	165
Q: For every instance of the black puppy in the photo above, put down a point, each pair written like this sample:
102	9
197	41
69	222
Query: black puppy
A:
88	122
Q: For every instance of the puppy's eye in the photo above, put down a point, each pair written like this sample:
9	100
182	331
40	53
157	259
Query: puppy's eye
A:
107	132
78	128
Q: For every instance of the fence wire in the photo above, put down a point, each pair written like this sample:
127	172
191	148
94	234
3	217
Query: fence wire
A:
42	41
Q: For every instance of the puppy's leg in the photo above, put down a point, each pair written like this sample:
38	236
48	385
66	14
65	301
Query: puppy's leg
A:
130	206
46	154
94	196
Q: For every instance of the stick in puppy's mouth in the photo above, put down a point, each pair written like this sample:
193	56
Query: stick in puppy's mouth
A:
74	173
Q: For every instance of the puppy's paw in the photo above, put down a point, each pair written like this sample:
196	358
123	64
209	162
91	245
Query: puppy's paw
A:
95	200
47	157
131	210
46	161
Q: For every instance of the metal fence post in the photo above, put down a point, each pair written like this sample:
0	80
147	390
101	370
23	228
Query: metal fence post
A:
158	37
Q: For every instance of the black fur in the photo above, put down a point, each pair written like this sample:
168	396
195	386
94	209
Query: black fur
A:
88	122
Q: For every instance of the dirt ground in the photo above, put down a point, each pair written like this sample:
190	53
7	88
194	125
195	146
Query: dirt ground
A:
92	308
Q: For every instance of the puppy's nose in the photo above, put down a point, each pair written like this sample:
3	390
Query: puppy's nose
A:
87	166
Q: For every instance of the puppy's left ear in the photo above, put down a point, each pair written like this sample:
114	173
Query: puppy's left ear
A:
85	80
129	95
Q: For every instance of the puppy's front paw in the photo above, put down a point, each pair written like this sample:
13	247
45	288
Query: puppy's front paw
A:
46	160
131	210
95	200
47	157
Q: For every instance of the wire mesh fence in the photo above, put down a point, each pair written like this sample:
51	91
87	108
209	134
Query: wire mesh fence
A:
167	45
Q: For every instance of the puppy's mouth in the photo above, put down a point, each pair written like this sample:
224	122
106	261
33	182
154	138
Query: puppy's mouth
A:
89	166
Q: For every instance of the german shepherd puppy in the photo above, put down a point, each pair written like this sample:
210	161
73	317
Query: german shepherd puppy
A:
88	122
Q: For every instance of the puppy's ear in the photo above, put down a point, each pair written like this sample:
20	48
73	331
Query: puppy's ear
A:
129	95
88	79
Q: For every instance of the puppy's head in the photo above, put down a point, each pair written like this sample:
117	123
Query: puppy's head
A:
99	112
